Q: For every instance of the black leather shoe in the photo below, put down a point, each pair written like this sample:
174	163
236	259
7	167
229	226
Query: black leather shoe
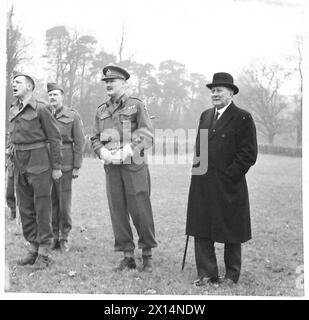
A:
42	262
29	259
125	263
203	281
55	244
64	246
147	264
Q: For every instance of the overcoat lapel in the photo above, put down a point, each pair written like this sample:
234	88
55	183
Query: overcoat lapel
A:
227	116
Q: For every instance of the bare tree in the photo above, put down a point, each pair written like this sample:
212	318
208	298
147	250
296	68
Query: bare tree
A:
16	48
260	85
121	46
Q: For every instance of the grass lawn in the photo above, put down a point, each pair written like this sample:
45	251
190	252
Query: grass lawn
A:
271	261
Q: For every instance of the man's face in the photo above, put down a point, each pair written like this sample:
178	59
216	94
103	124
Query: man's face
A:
55	98
221	96
114	87
20	87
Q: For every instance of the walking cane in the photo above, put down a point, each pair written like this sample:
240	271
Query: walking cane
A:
185	253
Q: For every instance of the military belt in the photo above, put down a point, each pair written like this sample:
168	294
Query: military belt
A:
29	146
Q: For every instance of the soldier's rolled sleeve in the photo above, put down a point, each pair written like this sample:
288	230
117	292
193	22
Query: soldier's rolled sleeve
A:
142	137
79	141
52	132
97	144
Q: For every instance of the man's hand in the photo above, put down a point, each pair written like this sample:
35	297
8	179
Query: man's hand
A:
105	155
75	173
56	174
126	152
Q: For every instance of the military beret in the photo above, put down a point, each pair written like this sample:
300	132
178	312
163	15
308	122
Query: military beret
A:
114	72
54	86
19	74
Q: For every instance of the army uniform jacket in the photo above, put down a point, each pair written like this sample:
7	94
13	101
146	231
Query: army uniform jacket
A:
127	122
72	135
31	128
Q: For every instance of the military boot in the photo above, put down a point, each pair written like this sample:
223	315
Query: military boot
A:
13	214
55	244
42	262
147	264
126	262
29	259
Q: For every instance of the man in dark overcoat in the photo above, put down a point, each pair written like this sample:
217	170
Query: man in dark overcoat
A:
218	204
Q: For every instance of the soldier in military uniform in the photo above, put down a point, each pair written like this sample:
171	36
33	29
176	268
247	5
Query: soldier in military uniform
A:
123	130
31	127
70	126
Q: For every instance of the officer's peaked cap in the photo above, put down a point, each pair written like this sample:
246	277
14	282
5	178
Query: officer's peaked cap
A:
114	72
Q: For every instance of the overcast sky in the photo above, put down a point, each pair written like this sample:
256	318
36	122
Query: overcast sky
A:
207	36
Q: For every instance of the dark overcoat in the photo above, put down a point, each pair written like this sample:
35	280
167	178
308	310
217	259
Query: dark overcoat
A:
218	205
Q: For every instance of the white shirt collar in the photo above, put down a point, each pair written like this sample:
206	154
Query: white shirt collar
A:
220	111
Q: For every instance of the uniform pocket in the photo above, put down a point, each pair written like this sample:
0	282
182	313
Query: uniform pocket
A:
65	127
29	121
67	159
103	118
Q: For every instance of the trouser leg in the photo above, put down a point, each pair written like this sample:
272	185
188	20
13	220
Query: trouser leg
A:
10	193
24	192
55	209
232	260
205	258
118	209
42	185
65	200
137	188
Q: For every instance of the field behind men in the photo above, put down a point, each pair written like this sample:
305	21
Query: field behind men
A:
272	262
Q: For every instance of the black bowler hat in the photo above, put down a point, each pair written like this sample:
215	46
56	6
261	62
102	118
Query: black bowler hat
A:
19	74
223	79
54	86
114	72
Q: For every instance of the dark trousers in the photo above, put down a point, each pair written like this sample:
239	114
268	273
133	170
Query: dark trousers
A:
10	193
128	194
33	193
61	203
206	261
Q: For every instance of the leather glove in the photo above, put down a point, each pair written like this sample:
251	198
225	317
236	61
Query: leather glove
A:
105	155
56	174
126	152
117	156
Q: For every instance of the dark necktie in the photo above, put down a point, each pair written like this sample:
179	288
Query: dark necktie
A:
215	118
